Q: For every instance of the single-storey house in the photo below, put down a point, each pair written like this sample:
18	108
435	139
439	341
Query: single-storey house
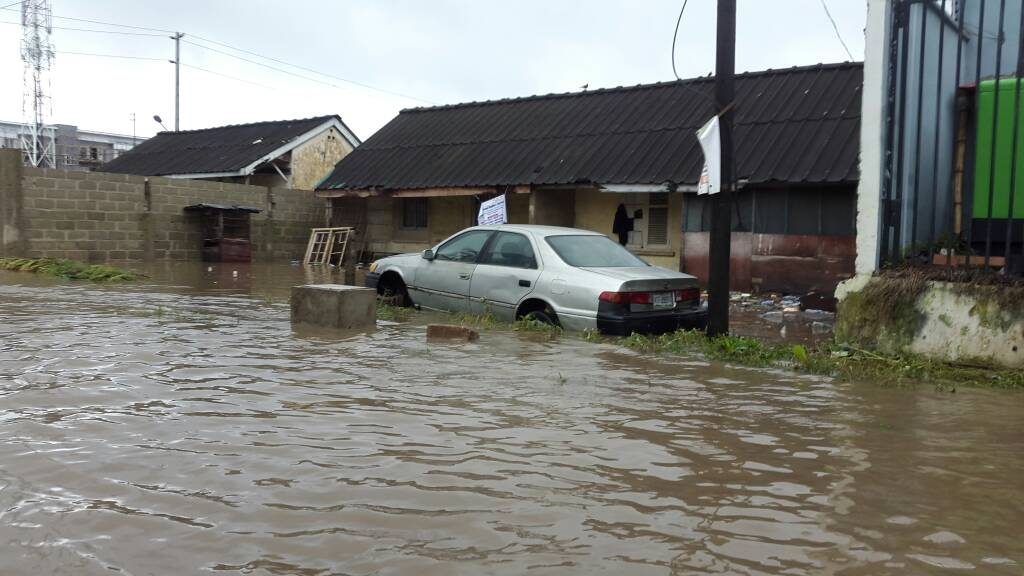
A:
575	159
289	153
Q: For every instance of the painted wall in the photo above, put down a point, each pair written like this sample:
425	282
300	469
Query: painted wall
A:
585	208
788	263
314	160
553	207
872	134
518	207
596	211
98	217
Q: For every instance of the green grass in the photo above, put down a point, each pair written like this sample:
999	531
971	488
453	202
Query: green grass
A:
842	363
69	269
531	326
486	321
394	313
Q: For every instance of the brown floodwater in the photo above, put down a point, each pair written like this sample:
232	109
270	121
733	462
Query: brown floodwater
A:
181	426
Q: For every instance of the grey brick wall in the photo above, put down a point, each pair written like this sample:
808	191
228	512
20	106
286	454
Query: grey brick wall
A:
99	217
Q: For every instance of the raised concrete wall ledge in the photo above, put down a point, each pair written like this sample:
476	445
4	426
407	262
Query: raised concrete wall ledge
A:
959	327
334	306
959	323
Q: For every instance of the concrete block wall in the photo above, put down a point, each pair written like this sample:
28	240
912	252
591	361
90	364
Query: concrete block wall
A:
12	238
99	217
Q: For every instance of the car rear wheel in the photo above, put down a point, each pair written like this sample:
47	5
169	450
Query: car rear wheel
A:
546	316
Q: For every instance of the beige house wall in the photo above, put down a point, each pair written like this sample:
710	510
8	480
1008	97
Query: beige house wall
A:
314	160
581	208
596	211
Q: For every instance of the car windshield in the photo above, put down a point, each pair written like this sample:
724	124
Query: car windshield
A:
592	251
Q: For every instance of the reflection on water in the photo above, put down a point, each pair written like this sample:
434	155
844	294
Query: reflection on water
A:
182	427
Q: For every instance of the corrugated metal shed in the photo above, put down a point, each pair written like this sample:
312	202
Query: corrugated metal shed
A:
211	150
799	125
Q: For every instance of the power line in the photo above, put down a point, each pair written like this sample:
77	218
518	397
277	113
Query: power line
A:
236	79
92	30
8	7
111	56
299	67
242	50
151	59
114	24
290	73
238	49
674	36
682	83
836	28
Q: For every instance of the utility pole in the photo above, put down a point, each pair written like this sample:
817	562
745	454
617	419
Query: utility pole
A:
177	79
721	203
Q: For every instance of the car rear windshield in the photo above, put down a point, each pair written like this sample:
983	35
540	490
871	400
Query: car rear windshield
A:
592	251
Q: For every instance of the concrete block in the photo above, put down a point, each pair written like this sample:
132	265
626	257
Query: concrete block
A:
451	332
334	306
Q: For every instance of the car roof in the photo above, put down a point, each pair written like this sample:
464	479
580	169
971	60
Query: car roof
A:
539	230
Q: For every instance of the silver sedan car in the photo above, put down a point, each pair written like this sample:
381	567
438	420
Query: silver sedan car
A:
573	278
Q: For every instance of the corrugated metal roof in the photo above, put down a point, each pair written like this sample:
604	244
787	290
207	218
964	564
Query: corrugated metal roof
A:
794	125
210	150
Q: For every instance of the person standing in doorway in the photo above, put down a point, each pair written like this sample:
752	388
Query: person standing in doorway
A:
623	224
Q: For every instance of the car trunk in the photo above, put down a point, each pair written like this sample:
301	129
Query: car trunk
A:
646	278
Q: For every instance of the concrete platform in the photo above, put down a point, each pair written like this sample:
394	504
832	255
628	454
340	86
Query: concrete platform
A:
334	306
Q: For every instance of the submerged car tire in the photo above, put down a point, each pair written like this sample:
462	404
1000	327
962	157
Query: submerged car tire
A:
393	291
545	316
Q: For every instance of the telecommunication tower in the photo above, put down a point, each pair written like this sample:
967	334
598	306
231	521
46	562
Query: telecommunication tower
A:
37	138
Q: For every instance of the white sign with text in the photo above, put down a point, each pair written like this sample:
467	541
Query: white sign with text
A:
493	211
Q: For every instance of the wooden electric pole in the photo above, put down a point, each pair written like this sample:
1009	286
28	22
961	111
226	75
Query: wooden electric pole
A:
721	203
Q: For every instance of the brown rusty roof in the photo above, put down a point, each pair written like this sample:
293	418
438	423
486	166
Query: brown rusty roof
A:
799	125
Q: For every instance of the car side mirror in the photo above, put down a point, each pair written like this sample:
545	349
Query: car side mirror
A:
428	254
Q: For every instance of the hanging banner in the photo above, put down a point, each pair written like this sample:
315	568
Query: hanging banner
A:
492	212
711	142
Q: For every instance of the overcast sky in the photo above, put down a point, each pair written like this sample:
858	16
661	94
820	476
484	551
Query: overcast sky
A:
434	51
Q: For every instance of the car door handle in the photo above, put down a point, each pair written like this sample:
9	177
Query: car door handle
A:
465	275
524	283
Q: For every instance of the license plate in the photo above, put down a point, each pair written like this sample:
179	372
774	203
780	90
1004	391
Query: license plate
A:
663	300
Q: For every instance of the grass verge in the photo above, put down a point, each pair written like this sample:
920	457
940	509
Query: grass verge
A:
841	363
69	269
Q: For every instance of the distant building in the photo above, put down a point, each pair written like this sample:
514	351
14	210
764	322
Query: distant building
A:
75	149
288	153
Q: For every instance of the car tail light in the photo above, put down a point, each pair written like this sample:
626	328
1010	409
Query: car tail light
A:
687	294
625	297
639	297
612	297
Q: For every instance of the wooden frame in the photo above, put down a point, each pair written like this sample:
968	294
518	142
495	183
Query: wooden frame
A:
326	243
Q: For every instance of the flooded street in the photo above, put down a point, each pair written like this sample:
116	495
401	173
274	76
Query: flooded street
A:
181	426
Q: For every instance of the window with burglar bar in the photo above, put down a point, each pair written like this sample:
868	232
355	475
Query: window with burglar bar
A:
414	213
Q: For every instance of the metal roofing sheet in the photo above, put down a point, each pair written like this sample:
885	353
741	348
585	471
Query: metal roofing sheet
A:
794	125
211	150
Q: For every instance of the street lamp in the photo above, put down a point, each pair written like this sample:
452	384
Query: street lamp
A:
159	121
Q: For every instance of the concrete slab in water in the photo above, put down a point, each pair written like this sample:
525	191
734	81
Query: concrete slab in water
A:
334	306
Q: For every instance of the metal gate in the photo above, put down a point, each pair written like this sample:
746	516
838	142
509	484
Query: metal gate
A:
951	194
